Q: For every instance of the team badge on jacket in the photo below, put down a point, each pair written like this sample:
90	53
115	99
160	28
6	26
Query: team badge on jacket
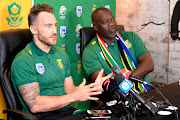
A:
79	10
60	63
40	68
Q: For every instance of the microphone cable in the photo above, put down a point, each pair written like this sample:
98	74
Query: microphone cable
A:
166	100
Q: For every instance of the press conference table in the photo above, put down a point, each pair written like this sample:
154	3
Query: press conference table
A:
171	92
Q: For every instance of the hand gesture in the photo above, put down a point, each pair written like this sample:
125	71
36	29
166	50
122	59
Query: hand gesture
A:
87	92
100	79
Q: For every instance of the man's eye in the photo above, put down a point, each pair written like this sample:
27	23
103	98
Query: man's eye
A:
105	22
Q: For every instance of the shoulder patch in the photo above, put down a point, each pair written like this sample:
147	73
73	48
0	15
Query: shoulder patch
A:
30	52
94	42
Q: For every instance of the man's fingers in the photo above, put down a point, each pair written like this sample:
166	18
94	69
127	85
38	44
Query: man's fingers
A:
108	76
91	85
93	98
95	93
100	74
83	83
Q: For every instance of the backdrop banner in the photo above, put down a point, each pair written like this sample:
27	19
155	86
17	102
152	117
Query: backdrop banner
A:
71	16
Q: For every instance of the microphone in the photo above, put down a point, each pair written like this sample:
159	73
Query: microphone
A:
138	80
126	86
112	88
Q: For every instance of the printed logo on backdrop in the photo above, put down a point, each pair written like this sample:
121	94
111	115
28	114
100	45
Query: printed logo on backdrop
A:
40	68
79	10
14	12
62	31
62	12
78	27
63	46
107	6
94	7
78	48
79	67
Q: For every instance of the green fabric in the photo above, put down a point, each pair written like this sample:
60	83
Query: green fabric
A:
23	70
93	59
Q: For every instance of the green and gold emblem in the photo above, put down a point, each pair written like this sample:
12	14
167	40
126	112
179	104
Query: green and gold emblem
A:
60	63
14	12
128	44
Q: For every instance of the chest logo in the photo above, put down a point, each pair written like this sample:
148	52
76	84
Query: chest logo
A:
128	44
60	63
40	68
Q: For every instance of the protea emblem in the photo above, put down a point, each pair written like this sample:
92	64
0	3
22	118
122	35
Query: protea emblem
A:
14	13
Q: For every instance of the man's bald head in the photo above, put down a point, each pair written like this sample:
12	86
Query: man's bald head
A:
104	23
97	13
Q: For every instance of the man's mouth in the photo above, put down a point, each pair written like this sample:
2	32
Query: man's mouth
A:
113	29
54	37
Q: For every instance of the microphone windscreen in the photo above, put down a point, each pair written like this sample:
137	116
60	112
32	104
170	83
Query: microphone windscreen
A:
119	78
110	85
115	69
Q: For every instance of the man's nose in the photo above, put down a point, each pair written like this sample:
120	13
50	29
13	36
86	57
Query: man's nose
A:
112	22
55	29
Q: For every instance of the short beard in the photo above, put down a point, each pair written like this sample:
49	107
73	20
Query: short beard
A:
43	41
46	43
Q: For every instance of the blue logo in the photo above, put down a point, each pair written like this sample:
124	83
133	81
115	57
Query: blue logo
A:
107	6
78	48
125	85
63	31
40	68
79	10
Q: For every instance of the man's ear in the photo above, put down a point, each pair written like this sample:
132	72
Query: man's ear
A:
33	29
95	27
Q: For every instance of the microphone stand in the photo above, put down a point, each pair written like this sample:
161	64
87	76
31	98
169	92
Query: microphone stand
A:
129	115
134	102
121	104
